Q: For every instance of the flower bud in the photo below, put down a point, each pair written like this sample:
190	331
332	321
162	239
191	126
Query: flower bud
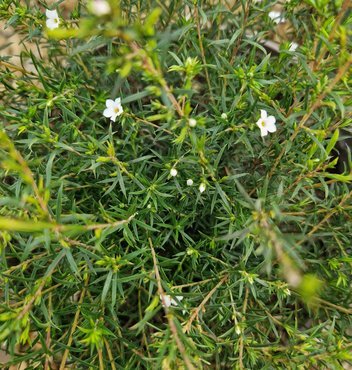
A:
192	122
202	187
99	7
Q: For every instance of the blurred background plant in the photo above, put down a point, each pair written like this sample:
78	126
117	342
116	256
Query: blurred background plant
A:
110	256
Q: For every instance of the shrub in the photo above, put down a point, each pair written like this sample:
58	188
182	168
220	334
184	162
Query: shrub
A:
202	221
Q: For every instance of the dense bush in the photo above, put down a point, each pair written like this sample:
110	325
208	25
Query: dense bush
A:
163	230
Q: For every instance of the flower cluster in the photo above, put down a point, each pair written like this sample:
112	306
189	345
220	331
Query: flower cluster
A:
189	182
265	123
114	108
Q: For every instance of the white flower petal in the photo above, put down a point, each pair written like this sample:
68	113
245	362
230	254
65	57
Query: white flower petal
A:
118	101
276	17
52	23
109	103
259	123
263	131
174	302
189	182
274	14
263	114
51	14
270	120
165	300
270	124
108	112
114	116
120	110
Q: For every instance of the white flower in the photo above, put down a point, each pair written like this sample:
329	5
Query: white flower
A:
189	182
99	7
167	301
224	116
293	46
265	123
173	172
52	19
202	187
113	109
276	17
192	122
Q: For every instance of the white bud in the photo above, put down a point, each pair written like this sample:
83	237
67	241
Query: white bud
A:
202	187
192	122
238	329
293	46
224	116
173	172
189	182
100	7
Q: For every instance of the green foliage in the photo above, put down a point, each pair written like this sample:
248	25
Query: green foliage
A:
109	257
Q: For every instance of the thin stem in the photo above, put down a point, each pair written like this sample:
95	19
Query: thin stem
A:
327	217
26	173
101	361
74	326
16	68
169	315
241	342
340	73
203	303
196	13
344	8
48	333
157	73
111	358
28	306
238	42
